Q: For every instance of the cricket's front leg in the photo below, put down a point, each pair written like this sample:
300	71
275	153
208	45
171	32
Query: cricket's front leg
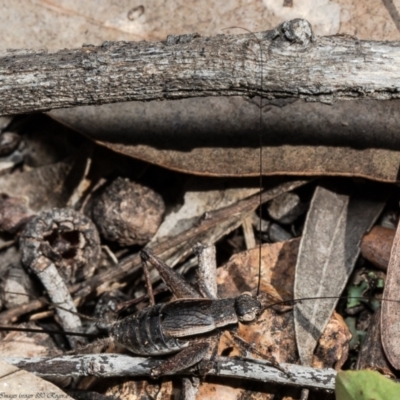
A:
186	358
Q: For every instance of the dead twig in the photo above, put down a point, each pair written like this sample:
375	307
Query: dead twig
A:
116	365
298	65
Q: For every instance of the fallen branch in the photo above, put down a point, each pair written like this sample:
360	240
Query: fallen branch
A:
294	64
117	365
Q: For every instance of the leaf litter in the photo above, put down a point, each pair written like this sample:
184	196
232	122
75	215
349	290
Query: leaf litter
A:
330	215
46	186
274	332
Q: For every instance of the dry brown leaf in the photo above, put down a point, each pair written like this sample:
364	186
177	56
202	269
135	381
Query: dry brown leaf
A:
241	273
377	164
234	390
333	345
212	391
329	248
25	344
302	138
390	317
44	187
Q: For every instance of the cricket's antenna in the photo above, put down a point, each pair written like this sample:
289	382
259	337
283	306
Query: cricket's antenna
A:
50	331
52	305
261	170
294	301
261	153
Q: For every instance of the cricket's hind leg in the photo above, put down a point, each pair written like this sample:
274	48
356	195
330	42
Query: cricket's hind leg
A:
186	358
190	356
175	282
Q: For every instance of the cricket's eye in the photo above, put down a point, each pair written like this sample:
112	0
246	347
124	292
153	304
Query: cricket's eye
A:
248	317
247	308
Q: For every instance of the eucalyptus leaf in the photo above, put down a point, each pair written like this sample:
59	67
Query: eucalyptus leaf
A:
329	248
365	385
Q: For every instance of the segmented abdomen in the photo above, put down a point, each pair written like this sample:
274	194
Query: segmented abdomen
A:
142	333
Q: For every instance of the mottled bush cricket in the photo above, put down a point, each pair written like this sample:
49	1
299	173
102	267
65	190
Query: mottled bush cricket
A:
174	327
168	328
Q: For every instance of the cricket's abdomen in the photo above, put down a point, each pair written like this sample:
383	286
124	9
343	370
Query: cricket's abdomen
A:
142	334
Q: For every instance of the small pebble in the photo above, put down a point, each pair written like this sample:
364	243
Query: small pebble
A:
286	208
277	234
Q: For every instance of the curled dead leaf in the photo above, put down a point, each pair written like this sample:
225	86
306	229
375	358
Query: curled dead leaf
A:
222	129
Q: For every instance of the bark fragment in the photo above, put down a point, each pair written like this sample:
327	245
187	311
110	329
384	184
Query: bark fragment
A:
376	246
117	365
371	354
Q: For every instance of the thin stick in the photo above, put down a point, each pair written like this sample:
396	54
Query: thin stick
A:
117	365
148	284
207	270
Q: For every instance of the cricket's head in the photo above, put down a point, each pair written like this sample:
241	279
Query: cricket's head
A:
247	307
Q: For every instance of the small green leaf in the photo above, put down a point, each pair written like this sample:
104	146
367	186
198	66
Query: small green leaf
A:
351	324
380	283
365	385
355	293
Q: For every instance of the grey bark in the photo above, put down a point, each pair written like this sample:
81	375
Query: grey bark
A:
294	64
117	365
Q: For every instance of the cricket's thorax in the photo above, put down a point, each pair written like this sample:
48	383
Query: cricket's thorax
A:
189	317
155	330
